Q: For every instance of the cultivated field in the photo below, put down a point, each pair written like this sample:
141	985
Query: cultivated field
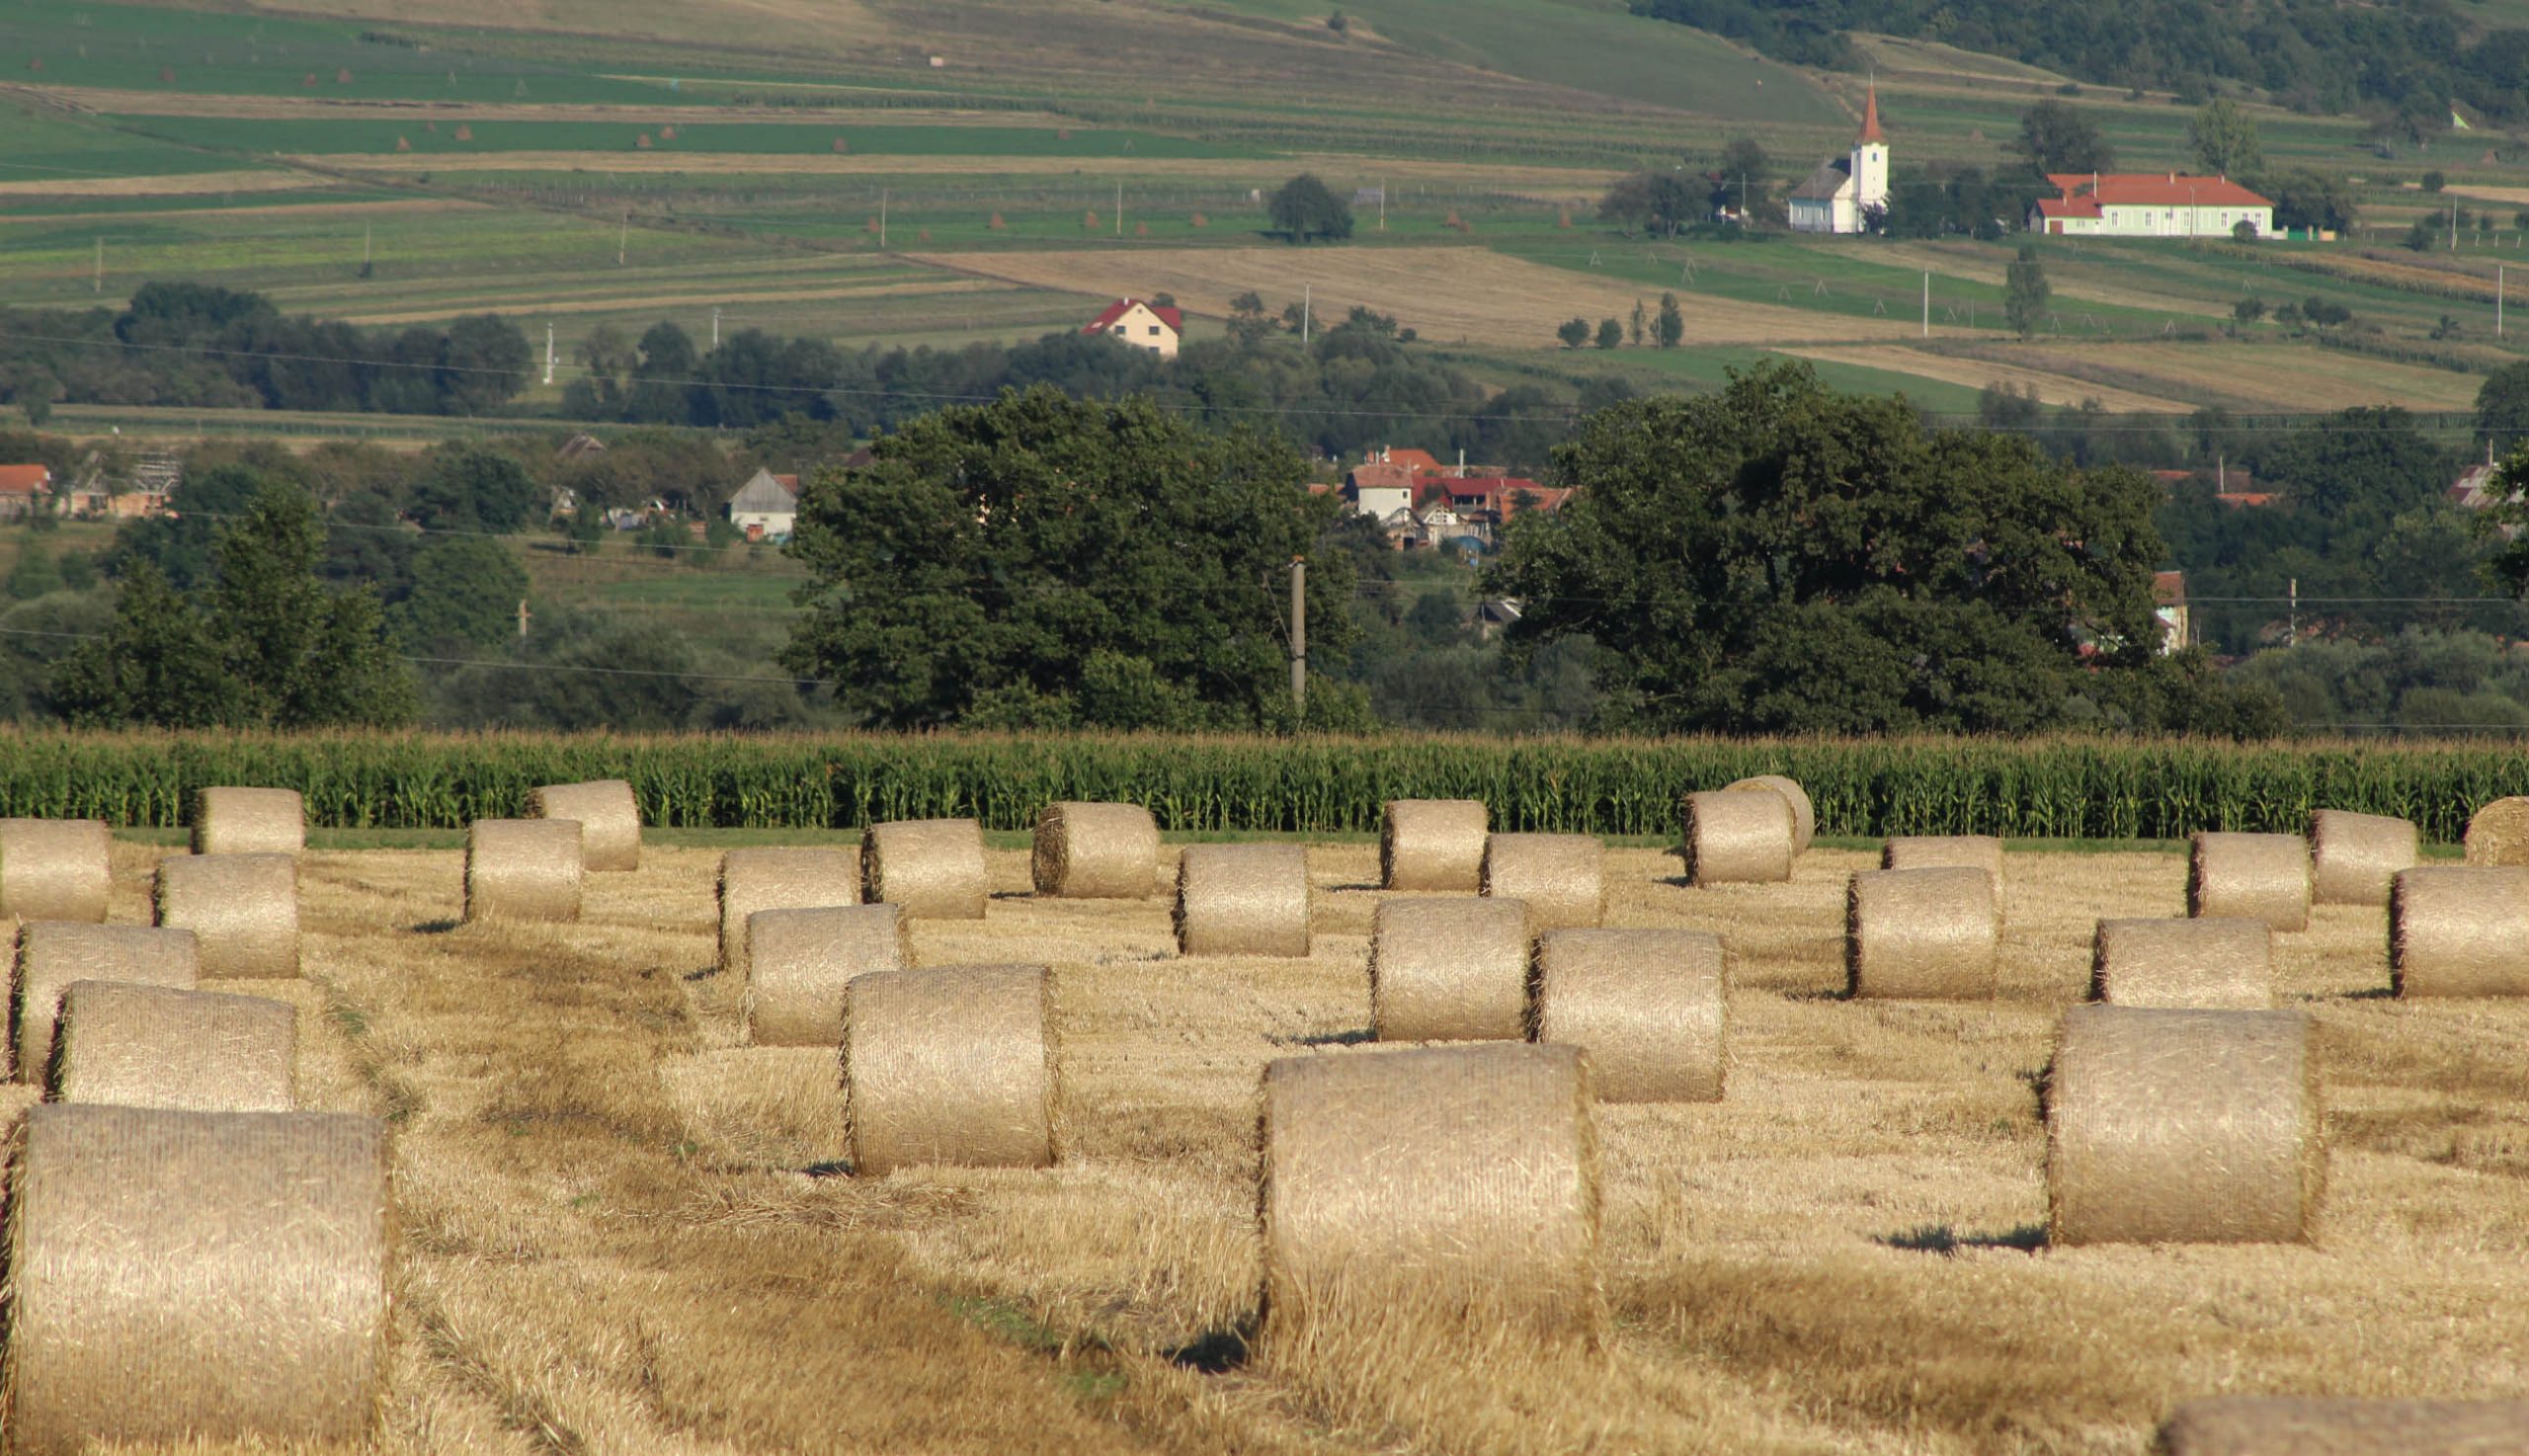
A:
1977	373
623	1230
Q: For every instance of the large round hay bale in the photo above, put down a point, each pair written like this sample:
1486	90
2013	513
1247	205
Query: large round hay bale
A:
1241	900
1944	851
523	870
2223	963
1650	1008
952	1065
154	1046
2498	833
933	868
2320	1425
799	960
2258	876
2171	1126
2352	855
2459	930
186	1277
54	953
243	911
1430	844
1804	817
1561	876
249	821
780	879
1737	837
1453	969
610	820
1095	852
55	868
1458	1177
1922	935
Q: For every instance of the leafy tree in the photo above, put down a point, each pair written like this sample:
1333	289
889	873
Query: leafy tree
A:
179	546
474	487
1054	560
465	591
578	671
1654	200
2025	292
2433	181
1610	333
2057	137
1249	324
1672	326
2502	408
484	365
1636	323
1305	207
2225	140
1574	332
2249	310
665	376
1745	168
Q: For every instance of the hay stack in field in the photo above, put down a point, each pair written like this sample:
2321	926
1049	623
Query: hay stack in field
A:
1449	970
933	868
2317	1425
1737	837
2352	855
195	1277
1804	817
249	821
54	953
780	879
55	868
243	911
2498	833
2222	963
2460	930
1561	878
1922	935
610	820
1461	1177
523	870
1242	900
1095	852
2168	1126
1650	1008
1944	851
194	1051
2259	876
1432	844
799	960
952	1065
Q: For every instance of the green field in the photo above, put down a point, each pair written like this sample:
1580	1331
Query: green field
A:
338	136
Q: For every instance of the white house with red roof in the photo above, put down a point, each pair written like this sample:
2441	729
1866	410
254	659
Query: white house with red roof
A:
1157	327
1845	192
2149	205
767	506
25	490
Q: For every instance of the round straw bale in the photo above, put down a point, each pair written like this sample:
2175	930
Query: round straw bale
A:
2261	877
2352	855
1095	852
243	911
933	868
1561	876
2460	930
1737	837
1449	970
249	821
1432	844
1804	818
153	1046
610	820
1650	1008
2219	964
1922	935
2313	1426
1944	851
55	868
54	953
195	1277
1463	1176
799	960
2174	1126
2498	833
780	879
524	869
1242	900
951	1065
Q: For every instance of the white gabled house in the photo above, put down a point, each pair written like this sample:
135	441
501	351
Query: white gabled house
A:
1844	193
767	506
1155	327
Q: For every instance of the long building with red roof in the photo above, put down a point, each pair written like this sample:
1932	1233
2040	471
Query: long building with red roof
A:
2149	205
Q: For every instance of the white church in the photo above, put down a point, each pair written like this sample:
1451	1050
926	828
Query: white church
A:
1841	194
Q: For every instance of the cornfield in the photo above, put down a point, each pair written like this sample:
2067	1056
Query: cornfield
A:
2073	789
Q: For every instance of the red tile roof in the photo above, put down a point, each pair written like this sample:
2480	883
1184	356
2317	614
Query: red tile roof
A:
2155	189
2234	499
1175	318
24	480
2068	207
1870	117
1375	476
1411	459
2168	586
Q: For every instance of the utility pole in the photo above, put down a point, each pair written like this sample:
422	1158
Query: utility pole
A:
521	618
548	354
2294	639
1119	209
1927	302
2454	222
1299	638
623	236
1382	204
716	328
882	219
1307	301
96	283
2498	300
368	250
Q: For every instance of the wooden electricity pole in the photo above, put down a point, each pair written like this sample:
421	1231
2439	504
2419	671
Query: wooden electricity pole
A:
1299	638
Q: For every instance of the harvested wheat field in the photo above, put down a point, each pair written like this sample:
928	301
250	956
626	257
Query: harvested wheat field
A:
624	1228
1449	294
1977	373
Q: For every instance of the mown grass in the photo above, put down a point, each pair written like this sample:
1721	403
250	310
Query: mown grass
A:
258	135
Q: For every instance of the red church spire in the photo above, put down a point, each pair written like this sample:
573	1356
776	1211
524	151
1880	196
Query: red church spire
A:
1870	118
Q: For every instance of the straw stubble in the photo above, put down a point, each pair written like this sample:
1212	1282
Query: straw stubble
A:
1922	935
54	953
249	821
2319	1425
798	962
610	820
934	869
2459	930
193	1051
243	911
54	870
523	870
780	879
950	1066
2222	963
1453	969
2258	876
1242	900
1432	844
2354	855
1737	837
1562	877
1650	1008
1095	852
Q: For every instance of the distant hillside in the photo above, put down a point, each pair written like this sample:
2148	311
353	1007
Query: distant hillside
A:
2408	61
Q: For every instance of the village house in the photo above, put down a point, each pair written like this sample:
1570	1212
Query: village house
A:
2168	604
1156	327
25	489
2149	205
1379	490
765	507
1846	193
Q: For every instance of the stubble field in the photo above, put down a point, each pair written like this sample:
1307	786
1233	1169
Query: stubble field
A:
623	1228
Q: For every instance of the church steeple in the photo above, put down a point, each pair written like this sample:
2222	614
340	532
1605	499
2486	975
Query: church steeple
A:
1870	132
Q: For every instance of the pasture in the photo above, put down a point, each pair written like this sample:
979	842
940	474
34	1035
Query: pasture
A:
623	1227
